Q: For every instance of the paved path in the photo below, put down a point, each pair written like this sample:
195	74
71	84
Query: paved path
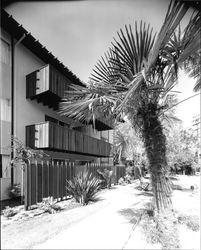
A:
109	228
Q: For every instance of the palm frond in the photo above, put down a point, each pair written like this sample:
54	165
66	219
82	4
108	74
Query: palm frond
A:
137	70
174	15
127	56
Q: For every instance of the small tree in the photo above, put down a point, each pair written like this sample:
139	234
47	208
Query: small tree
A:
23	155
182	145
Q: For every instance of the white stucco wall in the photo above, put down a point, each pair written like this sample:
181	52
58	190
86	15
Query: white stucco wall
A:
5	97
28	112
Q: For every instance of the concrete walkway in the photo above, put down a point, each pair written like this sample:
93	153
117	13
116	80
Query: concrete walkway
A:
109	228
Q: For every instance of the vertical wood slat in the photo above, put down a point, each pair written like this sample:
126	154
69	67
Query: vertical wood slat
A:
33	188
39	191
65	178
26	185
57	168
59	181
62	180
44	180
36	180
54	181
48	179
51	179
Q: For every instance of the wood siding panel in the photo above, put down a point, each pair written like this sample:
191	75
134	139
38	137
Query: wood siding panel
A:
54	136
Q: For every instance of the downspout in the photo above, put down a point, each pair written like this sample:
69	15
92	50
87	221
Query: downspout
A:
13	45
12	105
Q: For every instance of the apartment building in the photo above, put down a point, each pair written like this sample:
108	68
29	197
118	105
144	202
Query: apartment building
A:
33	82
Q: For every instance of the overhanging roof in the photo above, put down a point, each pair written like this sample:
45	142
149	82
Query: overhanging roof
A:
10	25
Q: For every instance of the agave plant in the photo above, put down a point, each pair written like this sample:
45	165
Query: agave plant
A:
106	175
84	187
136	79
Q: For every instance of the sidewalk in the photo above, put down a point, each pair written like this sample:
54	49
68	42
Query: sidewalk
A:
109	228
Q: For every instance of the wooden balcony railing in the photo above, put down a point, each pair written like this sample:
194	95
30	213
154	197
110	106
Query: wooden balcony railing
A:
48	135
46	85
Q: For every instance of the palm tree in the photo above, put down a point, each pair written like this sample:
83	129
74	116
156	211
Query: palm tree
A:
120	144
135	79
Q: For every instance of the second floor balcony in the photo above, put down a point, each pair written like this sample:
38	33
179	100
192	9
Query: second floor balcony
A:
47	86
51	136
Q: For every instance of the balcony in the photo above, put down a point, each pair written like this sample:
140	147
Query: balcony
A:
47	86
48	135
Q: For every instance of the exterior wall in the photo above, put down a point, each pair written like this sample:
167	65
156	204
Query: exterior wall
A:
28	112
27	62
5	112
5	94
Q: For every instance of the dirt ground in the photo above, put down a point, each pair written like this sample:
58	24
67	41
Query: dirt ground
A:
109	221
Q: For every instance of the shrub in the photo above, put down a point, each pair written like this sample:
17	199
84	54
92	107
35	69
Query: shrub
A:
49	205
127	179
106	177
191	221
9	212
121	181
14	191
84	187
161	228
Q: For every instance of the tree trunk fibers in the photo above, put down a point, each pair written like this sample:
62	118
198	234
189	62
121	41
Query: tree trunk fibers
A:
155	144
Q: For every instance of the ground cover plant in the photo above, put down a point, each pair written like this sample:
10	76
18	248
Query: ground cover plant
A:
84	187
49	205
9	212
161	229
191	221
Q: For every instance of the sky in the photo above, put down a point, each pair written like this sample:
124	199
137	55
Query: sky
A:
78	33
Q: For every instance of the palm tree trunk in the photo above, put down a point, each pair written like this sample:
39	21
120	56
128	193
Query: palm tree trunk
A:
155	144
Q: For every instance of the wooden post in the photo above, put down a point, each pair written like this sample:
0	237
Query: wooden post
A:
22	185
57	180
42	166
48	179
26	186
36	165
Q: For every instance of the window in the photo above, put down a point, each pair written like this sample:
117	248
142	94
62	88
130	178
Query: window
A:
4	166
5	109
5	52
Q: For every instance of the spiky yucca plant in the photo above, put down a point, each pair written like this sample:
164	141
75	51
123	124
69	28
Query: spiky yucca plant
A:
84	187
135	79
